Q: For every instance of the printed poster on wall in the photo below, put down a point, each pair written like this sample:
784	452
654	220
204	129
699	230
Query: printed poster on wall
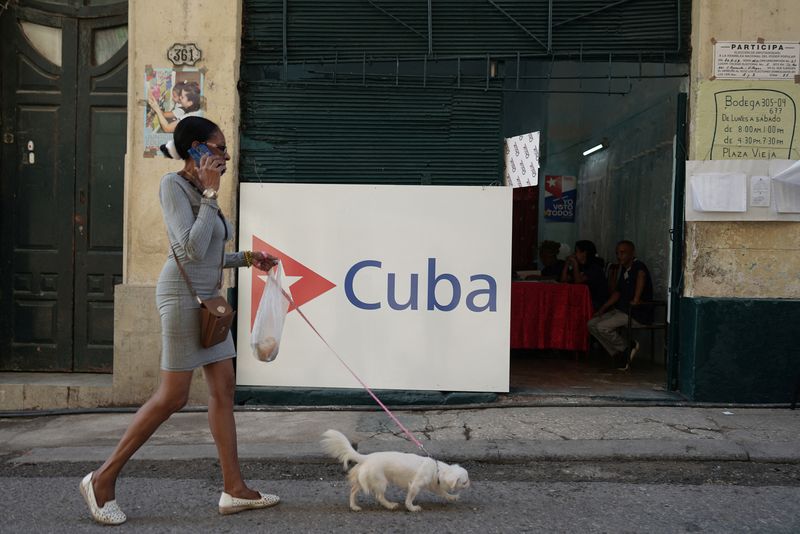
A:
172	95
560	194
522	160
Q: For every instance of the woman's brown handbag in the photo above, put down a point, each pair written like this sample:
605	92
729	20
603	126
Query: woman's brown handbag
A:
216	315
216	318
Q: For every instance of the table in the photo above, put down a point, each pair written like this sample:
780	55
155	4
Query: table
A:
546	315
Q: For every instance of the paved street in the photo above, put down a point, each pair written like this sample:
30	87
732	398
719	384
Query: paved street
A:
581	469
539	497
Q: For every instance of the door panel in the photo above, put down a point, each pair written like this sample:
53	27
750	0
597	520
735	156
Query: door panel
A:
101	140
37	206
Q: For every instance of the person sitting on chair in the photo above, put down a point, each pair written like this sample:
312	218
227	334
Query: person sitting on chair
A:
633	287
551	265
586	267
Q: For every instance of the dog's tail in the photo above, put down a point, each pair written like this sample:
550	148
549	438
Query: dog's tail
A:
337	445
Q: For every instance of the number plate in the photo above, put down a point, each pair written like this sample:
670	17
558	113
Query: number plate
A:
184	54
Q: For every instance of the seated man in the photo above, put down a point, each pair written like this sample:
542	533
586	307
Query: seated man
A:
633	286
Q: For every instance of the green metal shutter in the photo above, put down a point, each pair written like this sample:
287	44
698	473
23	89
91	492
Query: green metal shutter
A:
386	28
310	115
342	134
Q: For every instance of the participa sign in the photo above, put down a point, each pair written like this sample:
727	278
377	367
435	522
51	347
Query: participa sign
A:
409	284
756	60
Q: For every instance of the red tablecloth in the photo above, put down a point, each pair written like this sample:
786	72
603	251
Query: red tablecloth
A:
550	316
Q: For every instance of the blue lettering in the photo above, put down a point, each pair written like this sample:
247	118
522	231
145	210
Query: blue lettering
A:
348	285
433	280
491	304
412	299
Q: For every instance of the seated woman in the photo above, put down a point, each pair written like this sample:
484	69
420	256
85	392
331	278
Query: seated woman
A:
551	266
585	267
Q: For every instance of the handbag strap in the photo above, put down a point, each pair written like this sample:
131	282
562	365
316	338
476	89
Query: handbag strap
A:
183	273
222	259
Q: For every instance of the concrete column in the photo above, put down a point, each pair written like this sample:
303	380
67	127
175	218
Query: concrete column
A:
215	27
738	259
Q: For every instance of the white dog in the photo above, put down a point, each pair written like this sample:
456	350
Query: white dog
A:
373	473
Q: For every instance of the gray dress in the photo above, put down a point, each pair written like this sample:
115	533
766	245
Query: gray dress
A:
197	232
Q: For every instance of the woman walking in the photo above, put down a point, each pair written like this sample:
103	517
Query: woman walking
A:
197	232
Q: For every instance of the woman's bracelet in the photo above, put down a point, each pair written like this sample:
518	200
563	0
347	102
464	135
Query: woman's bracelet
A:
248	257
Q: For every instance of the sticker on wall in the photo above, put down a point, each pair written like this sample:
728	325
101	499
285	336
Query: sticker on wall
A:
522	160
560	194
172	95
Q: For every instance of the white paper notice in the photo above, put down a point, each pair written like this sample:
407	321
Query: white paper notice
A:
726	192
787	189
759	191
749	60
522	160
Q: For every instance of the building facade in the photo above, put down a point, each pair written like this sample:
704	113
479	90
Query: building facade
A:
458	83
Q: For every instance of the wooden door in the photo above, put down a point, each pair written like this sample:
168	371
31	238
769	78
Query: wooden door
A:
100	139
63	140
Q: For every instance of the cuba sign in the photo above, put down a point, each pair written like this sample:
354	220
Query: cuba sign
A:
410	285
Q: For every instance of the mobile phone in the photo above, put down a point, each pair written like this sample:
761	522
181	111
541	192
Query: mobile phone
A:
198	152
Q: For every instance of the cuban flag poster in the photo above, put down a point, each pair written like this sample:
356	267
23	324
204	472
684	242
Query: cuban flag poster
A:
559	198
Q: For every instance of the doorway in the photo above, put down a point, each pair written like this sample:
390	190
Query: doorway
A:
620	142
64	97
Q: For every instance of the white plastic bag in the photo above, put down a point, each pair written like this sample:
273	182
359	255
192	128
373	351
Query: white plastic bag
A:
265	339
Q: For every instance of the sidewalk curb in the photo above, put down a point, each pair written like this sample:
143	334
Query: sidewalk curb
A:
491	451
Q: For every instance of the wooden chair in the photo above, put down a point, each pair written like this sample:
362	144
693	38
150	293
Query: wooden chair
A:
657	324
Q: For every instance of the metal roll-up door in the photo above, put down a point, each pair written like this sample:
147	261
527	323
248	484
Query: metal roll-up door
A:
370	135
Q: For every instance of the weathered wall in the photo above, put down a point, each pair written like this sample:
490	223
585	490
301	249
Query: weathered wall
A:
215	26
738	259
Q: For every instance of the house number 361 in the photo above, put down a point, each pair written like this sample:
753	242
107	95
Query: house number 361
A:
184	54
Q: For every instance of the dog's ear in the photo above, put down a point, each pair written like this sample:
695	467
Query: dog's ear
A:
452	480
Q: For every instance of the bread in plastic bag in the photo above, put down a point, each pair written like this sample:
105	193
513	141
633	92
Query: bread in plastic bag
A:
265	339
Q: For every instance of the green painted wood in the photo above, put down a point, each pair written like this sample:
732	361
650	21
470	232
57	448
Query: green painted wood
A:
98	197
739	350
37	105
62	214
677	237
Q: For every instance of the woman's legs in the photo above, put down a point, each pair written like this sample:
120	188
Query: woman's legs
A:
170	397
221	383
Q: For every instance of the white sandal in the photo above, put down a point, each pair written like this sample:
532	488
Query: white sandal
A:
109	514
231	505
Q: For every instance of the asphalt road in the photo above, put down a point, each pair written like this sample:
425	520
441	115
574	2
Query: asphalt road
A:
533	497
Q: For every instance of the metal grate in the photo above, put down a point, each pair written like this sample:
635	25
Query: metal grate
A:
370	135
307	30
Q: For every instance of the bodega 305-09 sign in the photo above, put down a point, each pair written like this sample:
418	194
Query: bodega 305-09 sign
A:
184	54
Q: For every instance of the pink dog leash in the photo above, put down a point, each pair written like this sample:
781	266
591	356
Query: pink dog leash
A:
375	397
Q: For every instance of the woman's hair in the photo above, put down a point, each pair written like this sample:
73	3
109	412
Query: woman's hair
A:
187	131
584	245
550	246
191	90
